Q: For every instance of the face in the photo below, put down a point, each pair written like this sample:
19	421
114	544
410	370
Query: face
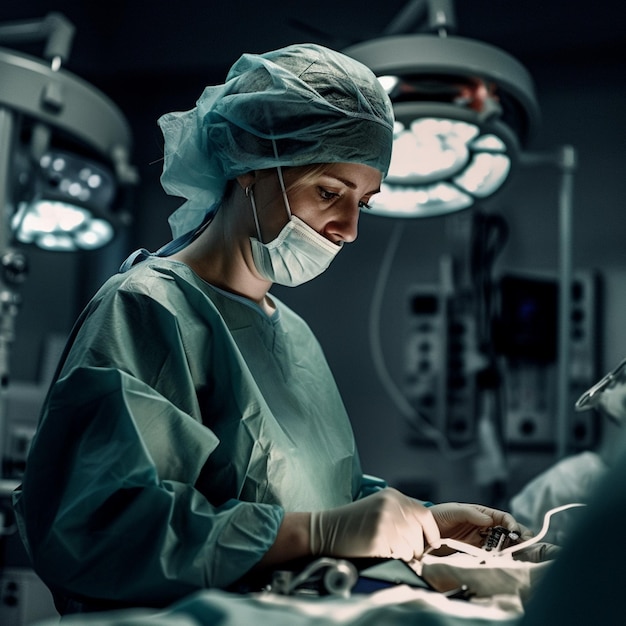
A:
329	199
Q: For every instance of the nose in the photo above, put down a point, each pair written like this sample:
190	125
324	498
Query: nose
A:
343	228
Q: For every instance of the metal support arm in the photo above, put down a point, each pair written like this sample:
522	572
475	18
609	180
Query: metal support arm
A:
565	161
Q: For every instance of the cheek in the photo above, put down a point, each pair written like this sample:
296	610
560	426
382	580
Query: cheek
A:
315	218
306	208
272	218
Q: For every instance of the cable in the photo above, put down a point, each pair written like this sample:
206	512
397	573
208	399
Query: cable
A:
412	416
541	534
490	234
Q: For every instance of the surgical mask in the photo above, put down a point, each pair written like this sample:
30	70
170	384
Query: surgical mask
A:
298	254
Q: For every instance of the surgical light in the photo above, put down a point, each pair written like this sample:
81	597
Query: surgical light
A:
64	149
64	163
464	110
66	210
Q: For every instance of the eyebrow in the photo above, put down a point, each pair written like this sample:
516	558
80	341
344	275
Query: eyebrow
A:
351	185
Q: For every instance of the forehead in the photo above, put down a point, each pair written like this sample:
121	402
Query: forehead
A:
353	175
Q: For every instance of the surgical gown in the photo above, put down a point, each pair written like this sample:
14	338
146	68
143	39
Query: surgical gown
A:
182	423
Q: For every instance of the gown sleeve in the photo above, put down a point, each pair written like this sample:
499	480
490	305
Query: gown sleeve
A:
370	485
111	472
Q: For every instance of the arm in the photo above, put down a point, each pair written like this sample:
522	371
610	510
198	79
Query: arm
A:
292	540
99	520
389	524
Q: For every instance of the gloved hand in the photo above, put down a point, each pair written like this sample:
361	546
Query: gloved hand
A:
468	522
386	524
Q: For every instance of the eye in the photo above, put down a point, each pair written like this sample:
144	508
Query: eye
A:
326	194
364	205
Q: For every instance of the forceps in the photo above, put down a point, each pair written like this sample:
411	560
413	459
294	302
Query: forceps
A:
481	553
591	397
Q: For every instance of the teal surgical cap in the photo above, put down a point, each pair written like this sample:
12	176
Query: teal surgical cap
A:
300	105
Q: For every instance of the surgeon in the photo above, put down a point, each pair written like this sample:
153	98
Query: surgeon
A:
194	433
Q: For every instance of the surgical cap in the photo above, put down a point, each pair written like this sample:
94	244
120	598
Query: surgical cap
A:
299	105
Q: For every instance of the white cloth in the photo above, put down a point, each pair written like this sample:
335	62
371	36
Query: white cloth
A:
401	605
571	480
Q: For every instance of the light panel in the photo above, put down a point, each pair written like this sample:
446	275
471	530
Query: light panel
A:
66	206
66	158
463	112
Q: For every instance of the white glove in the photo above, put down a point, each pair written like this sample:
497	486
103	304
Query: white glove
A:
468	522
386	524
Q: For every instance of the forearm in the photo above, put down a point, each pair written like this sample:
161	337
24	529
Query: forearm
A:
292	540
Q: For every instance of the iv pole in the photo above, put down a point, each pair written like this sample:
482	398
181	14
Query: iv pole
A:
565	161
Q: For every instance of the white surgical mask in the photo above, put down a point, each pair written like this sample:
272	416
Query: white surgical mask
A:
298	254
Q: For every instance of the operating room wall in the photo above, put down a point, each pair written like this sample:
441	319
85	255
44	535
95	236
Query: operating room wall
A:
584	109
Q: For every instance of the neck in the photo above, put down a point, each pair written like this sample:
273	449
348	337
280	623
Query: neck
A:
221	256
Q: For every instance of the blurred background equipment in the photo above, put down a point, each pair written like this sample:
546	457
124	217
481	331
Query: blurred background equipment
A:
465	115
64	162
64	174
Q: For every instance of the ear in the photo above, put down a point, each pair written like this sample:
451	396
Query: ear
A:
247	179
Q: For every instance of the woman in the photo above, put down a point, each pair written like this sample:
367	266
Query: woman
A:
194	432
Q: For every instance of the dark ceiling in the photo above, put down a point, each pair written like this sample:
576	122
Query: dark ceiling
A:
154	56
153	37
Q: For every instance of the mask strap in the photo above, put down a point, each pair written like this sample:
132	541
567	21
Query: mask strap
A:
249	191
281	180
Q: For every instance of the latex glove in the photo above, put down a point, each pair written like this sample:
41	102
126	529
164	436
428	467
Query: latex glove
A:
385	524
468	522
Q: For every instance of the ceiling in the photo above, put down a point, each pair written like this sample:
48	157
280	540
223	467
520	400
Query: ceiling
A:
154	56
154	37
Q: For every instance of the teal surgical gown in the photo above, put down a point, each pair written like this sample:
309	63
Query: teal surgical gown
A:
182	423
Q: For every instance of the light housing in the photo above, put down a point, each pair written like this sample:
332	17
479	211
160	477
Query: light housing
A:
64	148
70	207
464	110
